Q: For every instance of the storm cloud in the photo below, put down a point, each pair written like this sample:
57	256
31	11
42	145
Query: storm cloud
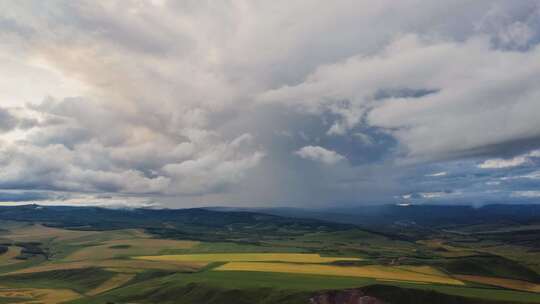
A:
189	103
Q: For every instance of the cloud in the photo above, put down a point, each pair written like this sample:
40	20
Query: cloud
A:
221	166
407	196
7	121
498	163
364	138
443	173
531	175
22	196
55	167
91	149
189	103
527	194
319	154
457	106
505	31
430	195
534	153
50	198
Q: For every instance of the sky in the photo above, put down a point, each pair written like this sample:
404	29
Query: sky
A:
269	103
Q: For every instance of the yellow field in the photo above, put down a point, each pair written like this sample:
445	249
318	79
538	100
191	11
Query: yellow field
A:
140	246
116	281
135	265
9	257
39	296
248	257
376	272
126	270
506	283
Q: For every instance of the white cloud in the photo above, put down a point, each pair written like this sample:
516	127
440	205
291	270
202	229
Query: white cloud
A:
526	194
58	157
55	167
364	138
430	195
64	199
498	163
455	106
209	173
535	153
531	175
320	154
443	173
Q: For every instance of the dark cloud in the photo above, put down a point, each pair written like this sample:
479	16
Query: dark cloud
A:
9	25
23	196
7	121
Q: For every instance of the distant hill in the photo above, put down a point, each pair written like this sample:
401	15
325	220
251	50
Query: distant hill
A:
252	224
196	223
425	215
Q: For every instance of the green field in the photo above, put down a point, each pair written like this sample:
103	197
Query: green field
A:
272	284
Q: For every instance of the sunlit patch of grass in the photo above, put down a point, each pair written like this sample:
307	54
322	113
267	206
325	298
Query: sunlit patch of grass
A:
43	296
114	282
38	232
500	282
373	271
135	265
115	248
423	269
249	257
9	257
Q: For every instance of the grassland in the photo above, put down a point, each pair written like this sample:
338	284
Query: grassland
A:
386	273
423	270
131	265
119	265
114	282
38	232
311	282
67	249
264	287
501	282
232	247
9	257
79	280
37	295
53	286
73	264
128	247
249	257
